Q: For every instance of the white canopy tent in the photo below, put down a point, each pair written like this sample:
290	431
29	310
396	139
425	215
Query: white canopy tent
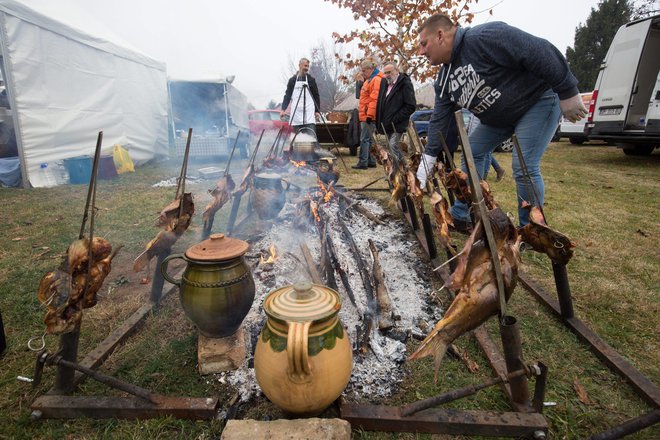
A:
65	86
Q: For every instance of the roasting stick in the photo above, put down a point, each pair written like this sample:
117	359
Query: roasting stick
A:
236	196
478	201
181	187
531	188
92	184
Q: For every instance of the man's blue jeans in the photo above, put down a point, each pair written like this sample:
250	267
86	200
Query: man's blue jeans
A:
534	131
366	132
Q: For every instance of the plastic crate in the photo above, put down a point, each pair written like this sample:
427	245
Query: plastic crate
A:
80	169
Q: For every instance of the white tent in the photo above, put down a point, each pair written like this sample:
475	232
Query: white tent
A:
65	86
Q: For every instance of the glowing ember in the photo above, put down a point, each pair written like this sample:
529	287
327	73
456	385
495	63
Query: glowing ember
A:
300	164
271	258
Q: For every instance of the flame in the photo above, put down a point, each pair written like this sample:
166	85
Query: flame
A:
302	163
315	210
271	258
326	190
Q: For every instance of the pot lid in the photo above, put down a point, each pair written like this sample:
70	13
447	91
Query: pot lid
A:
302	302
217	248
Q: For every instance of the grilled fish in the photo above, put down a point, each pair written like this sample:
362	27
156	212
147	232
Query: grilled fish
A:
545	240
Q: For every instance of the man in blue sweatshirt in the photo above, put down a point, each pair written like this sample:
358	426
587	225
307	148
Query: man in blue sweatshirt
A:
512	81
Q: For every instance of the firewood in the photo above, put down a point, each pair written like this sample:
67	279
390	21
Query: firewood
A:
326	265
336	265
311	266
362	267
359	208
382	296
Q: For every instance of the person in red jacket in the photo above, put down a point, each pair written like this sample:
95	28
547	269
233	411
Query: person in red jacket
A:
367	111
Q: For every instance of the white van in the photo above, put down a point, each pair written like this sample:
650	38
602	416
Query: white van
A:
625	106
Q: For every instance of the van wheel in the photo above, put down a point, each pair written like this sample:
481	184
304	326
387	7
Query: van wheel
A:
639	150
505	147
576	140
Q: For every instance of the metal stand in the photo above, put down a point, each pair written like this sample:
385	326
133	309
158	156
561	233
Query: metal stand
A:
157	280
563	290
512	346
428	234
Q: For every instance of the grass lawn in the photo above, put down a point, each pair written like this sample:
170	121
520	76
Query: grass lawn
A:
606	202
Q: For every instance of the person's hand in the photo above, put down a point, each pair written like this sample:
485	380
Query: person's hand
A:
369	120
282	115
573	108
424	170
317	115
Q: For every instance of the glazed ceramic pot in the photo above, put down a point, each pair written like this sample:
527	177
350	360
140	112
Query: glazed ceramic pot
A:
216	288
303	357
268	195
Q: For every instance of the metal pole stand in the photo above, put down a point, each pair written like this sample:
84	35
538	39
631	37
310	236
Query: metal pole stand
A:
158	280
512	347
563	290
428	233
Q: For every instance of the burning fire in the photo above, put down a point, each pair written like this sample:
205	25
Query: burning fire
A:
300	164
271	258
314	207
326	190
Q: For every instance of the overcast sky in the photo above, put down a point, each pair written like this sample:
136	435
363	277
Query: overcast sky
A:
256	39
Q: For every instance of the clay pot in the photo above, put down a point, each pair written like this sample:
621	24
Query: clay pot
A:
303	357
216	288
268	195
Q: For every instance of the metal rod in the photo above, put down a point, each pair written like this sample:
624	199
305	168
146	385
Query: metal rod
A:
90	189
539	387
445	148
531	188
158	281
371	183
231	155
629	427
512	347
181	187
68	350
107	380
563	290
450	396
428	233
414	220
478	201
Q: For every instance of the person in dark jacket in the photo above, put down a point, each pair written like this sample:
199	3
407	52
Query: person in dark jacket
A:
303	95
512	81
396	102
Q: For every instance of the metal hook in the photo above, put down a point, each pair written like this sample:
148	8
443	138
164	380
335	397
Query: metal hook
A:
43	342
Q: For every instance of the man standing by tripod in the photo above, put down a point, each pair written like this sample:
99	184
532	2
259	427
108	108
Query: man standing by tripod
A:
303	95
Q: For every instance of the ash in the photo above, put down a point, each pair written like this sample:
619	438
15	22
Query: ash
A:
173	181
377	372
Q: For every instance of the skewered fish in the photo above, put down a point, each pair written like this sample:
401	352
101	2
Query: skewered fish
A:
443	219
174	222
74	285
545	240
221	195
478	297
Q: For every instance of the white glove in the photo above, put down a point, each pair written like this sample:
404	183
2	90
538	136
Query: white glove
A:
423	171
572	108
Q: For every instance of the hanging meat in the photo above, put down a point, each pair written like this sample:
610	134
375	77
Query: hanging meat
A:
545	240
443	219
174	222
74	285
478	297
221	195
456	181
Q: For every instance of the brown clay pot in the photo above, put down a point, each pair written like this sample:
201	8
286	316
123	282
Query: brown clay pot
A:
303	357
216	289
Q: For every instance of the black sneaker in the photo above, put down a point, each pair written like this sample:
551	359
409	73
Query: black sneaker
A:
461	226
359	167
372	165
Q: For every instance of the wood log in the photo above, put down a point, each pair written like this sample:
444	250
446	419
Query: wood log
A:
342	274
362	267
311	265
359	208
385	321
326	265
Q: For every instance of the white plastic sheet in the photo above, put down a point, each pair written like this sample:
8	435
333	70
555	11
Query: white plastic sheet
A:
65	86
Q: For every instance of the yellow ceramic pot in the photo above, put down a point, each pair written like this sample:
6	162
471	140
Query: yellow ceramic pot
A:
303	357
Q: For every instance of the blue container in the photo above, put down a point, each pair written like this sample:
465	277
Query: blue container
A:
79	168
